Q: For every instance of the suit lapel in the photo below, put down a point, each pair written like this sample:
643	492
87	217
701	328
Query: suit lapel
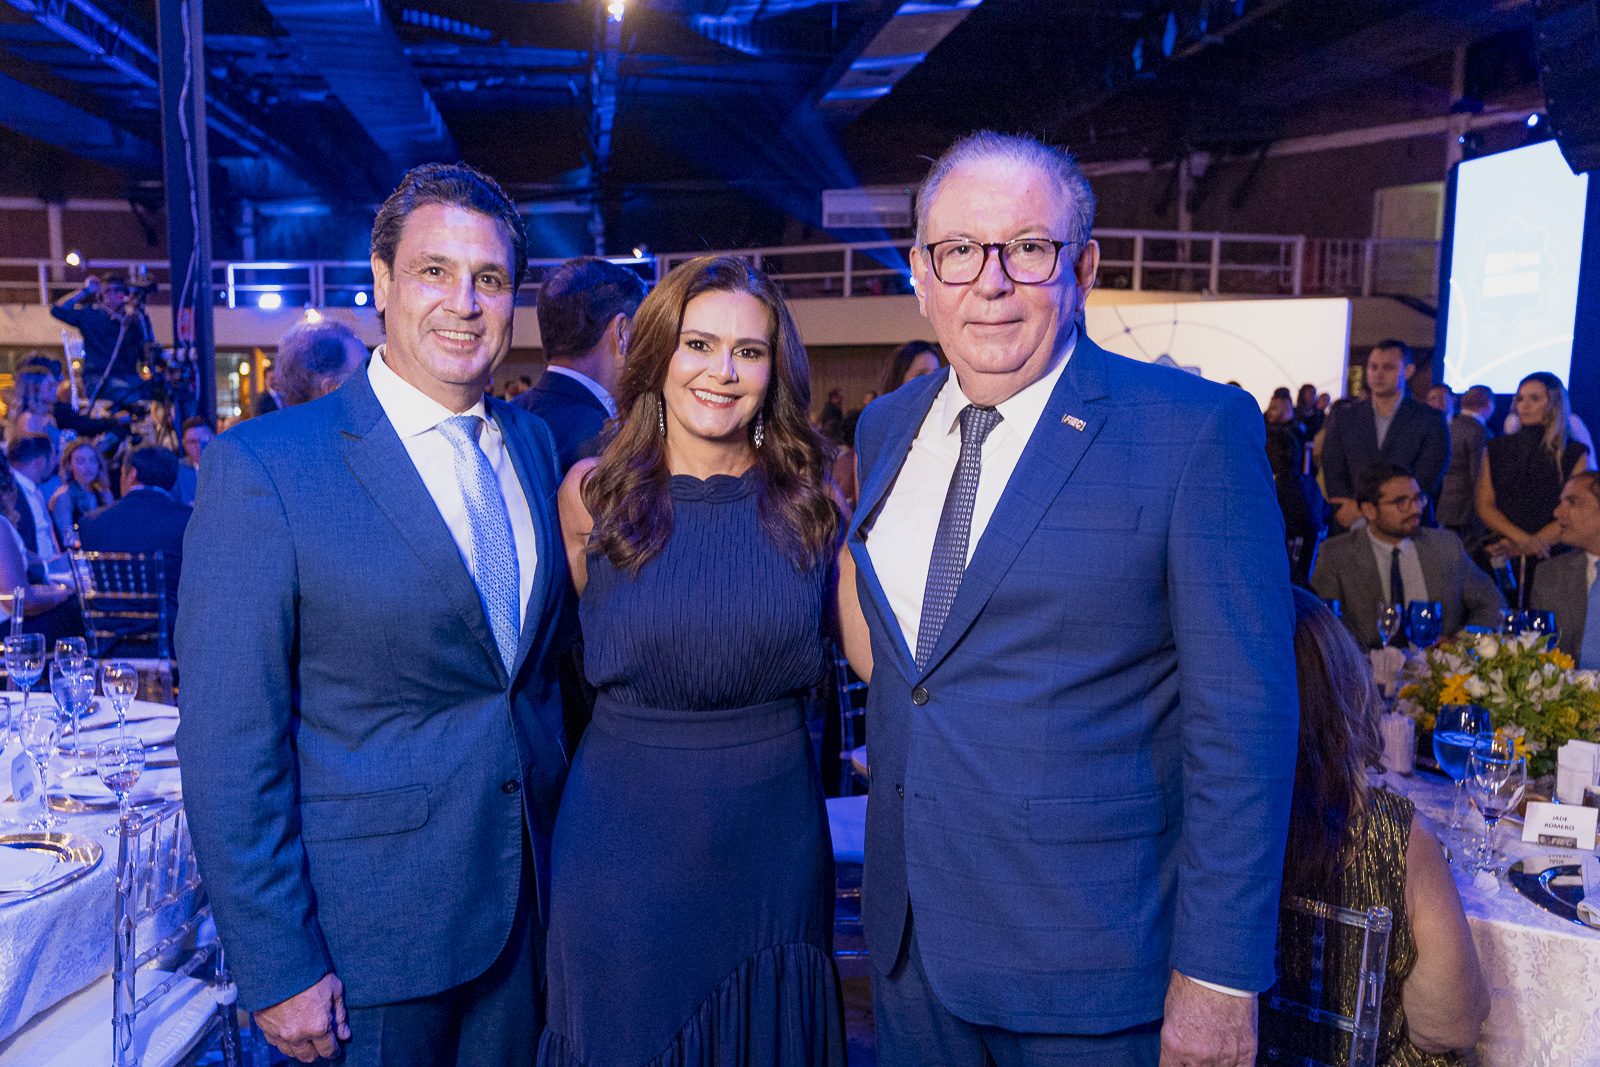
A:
569	389
891	457
1048	460
379	461
536	489
1368	582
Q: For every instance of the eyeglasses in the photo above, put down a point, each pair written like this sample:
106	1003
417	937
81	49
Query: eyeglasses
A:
1404	502
1025	261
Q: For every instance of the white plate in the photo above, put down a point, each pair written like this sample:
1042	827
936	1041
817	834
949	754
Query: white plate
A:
154	782
152	732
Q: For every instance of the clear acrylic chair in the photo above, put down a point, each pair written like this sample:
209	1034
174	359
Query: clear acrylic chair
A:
151	1010
852	695
1302	1019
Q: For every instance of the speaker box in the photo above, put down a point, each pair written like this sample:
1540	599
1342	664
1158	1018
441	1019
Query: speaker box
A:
1568	34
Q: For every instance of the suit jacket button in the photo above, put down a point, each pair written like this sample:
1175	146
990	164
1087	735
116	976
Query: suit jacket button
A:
919	696
901	790
510	785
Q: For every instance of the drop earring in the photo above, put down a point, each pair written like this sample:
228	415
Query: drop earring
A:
761	429
661	412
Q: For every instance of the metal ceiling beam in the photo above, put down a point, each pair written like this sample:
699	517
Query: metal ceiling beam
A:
352	44
37	114
888	47
604	71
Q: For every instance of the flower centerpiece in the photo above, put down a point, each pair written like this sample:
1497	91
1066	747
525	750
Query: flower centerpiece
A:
1532	691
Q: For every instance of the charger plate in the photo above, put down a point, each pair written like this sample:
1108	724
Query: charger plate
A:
75	854
1554	883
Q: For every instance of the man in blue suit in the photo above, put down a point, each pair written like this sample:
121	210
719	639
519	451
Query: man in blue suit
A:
373	587
1083	708
585	308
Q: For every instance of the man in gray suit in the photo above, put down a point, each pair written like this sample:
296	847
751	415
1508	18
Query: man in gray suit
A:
1469	433
371	738
1394	559
1562	583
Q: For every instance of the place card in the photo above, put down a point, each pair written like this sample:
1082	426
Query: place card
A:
1560	825
22	778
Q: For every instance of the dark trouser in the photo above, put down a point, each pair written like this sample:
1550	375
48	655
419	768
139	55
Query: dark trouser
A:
492	1021
914	1030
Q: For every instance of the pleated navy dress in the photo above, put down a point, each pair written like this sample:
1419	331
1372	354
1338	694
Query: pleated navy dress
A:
691	907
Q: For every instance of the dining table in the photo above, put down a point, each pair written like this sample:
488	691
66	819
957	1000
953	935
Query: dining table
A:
1543	970
58	941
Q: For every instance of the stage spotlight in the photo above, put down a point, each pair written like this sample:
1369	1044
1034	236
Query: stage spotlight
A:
270	301
1533	120
639	251
244	370
616	9
361	300
313	315
73	259
1472	144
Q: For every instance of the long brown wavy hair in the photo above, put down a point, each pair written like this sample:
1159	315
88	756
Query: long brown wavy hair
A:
627	493
1339	740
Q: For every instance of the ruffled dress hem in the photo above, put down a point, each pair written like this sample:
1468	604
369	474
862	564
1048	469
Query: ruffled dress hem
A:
779	1008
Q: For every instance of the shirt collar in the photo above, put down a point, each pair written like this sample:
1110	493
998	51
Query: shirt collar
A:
599	391
1020	412
24	481
410	410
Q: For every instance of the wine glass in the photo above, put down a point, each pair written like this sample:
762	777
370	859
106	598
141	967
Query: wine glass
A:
24	655
1389	618
73	689
1496	778
121	683
67	647
119	761
1540	622
1424	622
41	733
1456	732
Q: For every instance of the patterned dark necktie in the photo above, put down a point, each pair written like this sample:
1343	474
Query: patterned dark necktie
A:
949	560
494	547
1397	584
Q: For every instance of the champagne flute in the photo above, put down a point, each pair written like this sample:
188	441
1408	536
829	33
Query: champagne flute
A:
41	733
24	655
1456	732
1496	778
121	683
74	693
1389	618
119	761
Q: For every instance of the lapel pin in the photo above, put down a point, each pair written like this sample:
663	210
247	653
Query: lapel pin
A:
1073	421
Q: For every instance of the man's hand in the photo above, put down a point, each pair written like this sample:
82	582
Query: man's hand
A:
92	283
1205	1028
309	1024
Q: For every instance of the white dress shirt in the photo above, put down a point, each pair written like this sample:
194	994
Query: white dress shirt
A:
1410	568
590	384
900	542
416	416
1593	560
43	530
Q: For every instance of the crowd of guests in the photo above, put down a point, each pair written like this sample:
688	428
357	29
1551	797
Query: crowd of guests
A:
1387	499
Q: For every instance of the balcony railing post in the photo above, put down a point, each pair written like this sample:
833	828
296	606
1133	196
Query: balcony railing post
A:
1138	262
1367	254
849	269
44	284
318	294
1299	263
1216	263
233	301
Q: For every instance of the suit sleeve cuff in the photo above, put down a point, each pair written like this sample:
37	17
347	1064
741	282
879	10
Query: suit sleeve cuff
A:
1220	988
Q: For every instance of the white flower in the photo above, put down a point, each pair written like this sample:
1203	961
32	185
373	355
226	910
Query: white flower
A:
1476	687
1486	646
1529	639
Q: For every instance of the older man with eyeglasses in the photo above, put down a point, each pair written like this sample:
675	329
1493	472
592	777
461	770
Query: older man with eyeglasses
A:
1074	590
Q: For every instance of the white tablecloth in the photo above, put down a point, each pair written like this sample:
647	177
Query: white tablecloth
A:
55	945
1543	971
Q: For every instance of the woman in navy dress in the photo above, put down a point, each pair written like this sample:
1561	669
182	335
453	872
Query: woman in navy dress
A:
691	908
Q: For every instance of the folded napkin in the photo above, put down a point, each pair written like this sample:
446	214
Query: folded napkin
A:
1589	906
23	869
1577	765
1386	666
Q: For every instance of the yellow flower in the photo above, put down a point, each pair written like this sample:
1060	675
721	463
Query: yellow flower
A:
1409	692
1428	719
1559	658
1455	690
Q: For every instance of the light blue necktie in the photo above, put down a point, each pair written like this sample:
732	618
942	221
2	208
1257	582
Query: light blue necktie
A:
494	550
1589	652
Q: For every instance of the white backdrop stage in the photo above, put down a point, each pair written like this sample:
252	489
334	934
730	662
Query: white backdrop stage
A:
1261	344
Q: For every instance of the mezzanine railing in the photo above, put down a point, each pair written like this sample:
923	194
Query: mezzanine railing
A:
1218	264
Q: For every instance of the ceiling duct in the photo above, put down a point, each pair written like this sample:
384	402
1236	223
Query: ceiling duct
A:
353	46
871	70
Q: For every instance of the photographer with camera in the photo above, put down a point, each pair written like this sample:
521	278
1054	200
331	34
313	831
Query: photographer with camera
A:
115	328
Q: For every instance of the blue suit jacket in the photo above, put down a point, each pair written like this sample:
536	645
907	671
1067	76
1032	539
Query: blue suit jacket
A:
1089	783
575	416
357	764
